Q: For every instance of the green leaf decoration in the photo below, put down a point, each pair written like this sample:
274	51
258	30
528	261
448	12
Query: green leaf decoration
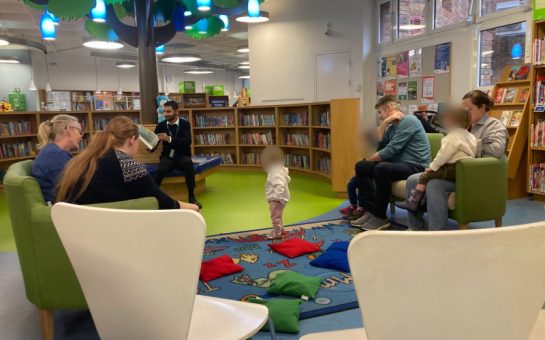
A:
100	30
191	5
214	28
70	9
120	11
116	2
33	5
129	7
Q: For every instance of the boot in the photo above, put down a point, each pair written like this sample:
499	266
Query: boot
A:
193	199
412	203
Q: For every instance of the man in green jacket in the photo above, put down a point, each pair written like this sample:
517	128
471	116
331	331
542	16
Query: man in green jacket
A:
403	150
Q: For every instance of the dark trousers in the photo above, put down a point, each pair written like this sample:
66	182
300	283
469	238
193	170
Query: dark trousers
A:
376	182
184	164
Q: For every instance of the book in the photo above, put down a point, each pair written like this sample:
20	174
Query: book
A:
506	117
523	94
148	137
513	72
522	73
510	95
500	94
515	119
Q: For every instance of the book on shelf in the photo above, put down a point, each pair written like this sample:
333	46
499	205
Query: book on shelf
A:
211	139
203	120
500	95
522	95
506	117
296	161
324	165
322	140
516	117
148	137
251	158
324	118
19	149
295	119
296	139
257	120
15	128
226	158
258	138
539	51
537	135
536	177
510	95
519	72
539	90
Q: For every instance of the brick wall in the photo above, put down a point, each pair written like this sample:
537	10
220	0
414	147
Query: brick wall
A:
448	12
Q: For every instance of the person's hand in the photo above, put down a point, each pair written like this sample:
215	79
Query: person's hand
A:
163	137
189	206
396	116
428	170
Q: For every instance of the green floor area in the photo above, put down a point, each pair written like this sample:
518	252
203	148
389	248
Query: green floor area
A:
235	201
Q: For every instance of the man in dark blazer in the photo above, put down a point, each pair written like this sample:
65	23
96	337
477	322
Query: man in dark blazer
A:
175	133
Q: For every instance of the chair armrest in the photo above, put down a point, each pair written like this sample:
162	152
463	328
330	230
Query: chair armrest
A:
146	203
481	189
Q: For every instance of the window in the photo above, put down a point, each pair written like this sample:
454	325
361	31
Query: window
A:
499	47
493	6
448	12
385	27
411	18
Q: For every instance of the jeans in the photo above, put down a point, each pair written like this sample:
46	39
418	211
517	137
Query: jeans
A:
353	192
376	182
437	192
184	164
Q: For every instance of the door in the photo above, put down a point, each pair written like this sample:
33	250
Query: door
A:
333	76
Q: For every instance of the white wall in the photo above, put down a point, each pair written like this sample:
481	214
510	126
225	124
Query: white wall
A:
18	75
283	51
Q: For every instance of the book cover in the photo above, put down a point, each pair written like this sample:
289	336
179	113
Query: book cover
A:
522	73
500	94
510	95
506	117
148	137
513	72
515	119
523	94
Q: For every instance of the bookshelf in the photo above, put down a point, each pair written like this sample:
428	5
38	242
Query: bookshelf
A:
85	101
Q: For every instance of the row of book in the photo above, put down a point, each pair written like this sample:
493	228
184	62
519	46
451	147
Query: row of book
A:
15	128
251	158
83	144
214	121
539	87
537	134
512	95
257	120
296	139
211	139
324	165
537	177
296	161
539	51
322	140
100	124
257	138
226	158
295	119
511	119
19	149
324	118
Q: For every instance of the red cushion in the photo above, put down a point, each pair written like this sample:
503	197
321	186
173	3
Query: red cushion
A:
294	247
218	267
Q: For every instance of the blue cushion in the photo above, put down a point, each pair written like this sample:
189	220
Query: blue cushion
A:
335	257
200	167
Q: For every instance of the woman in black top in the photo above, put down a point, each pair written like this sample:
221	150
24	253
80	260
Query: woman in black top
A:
107	172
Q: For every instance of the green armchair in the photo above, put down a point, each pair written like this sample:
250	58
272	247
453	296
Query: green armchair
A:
481	189
50	281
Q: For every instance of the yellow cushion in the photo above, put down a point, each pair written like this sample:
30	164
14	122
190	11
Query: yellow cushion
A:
398	191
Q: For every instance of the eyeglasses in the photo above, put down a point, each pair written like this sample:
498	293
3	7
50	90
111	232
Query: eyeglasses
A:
81	132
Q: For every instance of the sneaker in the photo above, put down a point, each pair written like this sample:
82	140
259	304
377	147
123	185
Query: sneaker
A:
412	203
376	223
360	221
346	211
354	215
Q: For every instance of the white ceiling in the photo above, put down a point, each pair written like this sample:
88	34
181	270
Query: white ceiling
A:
16	19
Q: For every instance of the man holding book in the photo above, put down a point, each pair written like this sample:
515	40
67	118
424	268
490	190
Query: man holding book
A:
175	133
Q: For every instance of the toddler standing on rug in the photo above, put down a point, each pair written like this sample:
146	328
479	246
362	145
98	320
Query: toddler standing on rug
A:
457	145
276	187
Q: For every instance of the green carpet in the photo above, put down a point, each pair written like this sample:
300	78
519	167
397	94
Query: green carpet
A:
235	201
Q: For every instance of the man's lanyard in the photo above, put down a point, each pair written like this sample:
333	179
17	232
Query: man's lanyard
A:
168	129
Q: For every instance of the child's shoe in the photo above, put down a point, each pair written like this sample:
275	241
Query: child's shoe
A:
346	211
354	215
412	203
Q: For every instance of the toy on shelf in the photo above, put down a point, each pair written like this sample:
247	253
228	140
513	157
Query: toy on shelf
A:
5	106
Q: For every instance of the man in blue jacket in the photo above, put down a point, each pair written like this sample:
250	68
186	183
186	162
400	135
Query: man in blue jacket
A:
403	150
175	133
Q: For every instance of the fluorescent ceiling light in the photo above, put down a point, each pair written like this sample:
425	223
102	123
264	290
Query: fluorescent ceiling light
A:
3	42
244	67
247	76
484	65
180	58
7	60
103	45
243	49
244	63
187	13
487	52
199	71
188	28
411	27
263	17
125	64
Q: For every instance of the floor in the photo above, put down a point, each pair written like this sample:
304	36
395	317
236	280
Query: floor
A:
18	319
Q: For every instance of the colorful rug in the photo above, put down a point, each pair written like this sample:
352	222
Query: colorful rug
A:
261	264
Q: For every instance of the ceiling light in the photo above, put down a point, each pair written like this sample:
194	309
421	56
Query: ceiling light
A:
125	64
202	26
3	42
199	71
487	52
47	27
188	28
244	63
187	13
160	50
243	49
244	67
225	20
98	13
204	5
180	58
32	86
103	45
246	76
411	27
263	17
8	60
48	87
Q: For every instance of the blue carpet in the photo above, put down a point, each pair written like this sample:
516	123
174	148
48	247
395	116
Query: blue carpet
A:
262	264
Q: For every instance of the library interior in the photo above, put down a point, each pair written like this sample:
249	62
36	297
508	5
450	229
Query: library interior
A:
272	169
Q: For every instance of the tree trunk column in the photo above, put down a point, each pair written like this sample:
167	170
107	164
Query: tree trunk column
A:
147	62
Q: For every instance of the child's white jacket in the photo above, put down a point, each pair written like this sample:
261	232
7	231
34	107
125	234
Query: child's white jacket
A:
276	188
457	145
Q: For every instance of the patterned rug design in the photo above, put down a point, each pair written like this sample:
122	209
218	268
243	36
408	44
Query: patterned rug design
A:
250	250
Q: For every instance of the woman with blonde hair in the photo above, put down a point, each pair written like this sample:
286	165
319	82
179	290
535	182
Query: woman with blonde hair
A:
57	137
107	172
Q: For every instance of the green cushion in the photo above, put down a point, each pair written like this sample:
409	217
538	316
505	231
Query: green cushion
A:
295	284
283	313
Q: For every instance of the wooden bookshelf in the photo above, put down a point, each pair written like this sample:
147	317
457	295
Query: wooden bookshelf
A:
513	109
339	118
